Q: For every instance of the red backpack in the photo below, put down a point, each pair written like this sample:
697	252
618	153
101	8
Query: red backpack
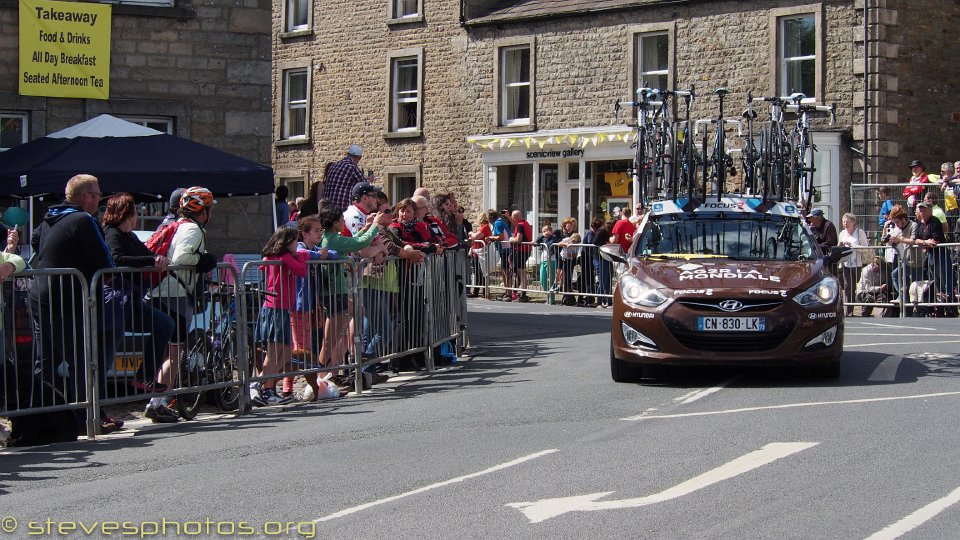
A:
159	243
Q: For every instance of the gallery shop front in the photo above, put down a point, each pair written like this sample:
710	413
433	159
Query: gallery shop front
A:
585	172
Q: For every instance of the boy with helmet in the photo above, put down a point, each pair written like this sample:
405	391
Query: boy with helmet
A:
174	294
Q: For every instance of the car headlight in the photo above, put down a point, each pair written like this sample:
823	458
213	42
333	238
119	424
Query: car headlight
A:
637	292
823	293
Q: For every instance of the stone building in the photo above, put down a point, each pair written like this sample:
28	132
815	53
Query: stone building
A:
199	69
509	103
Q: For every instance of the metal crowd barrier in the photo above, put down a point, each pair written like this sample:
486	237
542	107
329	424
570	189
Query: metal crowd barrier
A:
49	339
46	341
904	281
572	275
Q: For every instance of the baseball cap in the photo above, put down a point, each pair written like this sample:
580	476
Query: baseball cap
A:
355	150
817	212
363	188
924	205
175	198
916	163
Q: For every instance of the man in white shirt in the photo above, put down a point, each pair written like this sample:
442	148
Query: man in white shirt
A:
364	197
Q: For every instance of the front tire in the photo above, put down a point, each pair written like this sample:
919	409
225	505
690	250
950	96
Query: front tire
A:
624	372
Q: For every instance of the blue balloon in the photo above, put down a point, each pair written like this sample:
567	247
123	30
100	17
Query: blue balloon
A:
15	216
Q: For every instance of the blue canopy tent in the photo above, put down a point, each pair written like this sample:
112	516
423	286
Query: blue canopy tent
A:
127	157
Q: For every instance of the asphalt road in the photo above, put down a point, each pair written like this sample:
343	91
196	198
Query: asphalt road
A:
530	438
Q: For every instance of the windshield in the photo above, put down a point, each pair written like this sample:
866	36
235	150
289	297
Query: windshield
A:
757	237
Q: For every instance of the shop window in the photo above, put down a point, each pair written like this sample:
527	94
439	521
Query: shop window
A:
295	101
159	123
516	86
652	60
515	187
14	129
297	15
797	55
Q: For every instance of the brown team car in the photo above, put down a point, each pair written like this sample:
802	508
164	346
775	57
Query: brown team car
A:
736	281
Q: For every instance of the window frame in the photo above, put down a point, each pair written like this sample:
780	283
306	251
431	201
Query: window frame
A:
304	29
394	173
143	120
394	58
25	123
284	71
638	72
393	16
778	17
501	49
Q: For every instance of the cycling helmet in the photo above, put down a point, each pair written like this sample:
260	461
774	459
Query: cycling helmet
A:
196	198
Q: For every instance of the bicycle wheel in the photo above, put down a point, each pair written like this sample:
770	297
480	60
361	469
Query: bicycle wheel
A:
226	369
193	372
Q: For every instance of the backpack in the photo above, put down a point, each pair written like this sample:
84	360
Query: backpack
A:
159	242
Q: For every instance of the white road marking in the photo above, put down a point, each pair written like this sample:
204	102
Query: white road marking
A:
900	326
917	518
423	489
886	370
926	342
690	397
545	509
792	406
888	334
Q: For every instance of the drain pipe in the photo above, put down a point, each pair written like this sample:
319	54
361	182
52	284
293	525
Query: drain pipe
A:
866	90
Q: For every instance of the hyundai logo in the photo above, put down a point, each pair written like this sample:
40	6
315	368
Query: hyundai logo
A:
730	305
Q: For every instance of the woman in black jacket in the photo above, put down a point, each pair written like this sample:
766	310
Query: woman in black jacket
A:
119	220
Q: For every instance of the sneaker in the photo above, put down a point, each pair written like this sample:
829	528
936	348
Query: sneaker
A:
161	415
507	298
523	298
270	397
379	378
256	395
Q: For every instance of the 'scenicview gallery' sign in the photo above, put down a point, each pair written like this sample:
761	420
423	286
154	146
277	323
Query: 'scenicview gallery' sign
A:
64	49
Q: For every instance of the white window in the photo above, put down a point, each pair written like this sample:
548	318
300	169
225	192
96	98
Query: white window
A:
797	54
295	187
405	94
298	15
162	124
295	92
14	129
402	187
653	60
405	8
515	85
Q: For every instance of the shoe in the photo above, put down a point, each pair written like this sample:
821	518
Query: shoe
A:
270	397
161	415
149	387
256	395
379	378
285	394
507	298
523	298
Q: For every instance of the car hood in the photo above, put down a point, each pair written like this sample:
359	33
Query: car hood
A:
723	274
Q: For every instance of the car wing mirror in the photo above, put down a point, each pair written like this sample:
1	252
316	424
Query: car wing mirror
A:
837	253
613	253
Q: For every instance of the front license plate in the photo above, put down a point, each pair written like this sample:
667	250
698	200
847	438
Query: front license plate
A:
731	324
127	363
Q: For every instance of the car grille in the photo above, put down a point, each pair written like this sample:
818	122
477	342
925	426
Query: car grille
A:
731	341
711	305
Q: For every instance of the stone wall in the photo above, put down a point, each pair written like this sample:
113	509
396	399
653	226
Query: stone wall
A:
205	62
921	76
349	53
582	68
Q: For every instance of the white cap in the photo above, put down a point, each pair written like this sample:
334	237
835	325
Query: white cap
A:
355	150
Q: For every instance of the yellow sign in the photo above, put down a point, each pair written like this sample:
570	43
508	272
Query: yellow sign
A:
64	49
